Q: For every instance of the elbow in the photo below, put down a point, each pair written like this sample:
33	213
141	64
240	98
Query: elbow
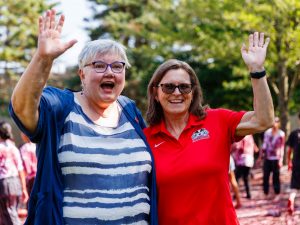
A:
17	105
267	123
26	113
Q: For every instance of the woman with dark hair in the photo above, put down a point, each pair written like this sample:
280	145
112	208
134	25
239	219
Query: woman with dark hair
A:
12	177
191	143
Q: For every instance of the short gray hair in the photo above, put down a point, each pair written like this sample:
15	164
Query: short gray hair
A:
92	49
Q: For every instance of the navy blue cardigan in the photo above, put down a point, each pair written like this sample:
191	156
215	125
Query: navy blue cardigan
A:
45	204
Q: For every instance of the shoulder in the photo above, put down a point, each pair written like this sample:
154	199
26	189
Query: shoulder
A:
294	132
224	115
57	94
281	133
56	100
126	102
223	112
268	131
147	130
12	146
153	129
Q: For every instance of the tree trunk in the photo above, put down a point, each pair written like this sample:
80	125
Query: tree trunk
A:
283	98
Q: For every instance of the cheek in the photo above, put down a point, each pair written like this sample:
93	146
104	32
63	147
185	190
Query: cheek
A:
159	96
190	101
121	79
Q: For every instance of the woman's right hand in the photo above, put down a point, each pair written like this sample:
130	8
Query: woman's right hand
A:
50	45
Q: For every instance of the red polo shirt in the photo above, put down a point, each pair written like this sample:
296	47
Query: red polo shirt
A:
192	172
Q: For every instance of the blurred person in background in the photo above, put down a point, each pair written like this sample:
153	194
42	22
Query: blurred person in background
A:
12	177
28	154
272	153
234	183
293	160
243	154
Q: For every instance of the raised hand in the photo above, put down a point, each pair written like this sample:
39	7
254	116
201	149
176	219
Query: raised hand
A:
50	44
254	56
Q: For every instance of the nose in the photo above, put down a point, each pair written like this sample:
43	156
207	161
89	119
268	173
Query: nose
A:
176	91
108	72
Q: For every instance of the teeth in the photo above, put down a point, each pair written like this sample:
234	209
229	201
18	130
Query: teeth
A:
176	101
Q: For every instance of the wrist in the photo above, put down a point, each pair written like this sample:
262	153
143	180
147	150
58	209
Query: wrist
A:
255	68
258	75
43	59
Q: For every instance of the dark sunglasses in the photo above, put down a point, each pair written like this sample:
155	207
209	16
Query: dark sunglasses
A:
169	88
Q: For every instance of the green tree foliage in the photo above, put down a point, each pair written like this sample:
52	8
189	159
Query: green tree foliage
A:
208	35
158	30
280	20
18	39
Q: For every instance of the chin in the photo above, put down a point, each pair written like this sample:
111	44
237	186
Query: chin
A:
176	112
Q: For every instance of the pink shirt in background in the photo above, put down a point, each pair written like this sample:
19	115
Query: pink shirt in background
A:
243	151
10	160
273	145
28	152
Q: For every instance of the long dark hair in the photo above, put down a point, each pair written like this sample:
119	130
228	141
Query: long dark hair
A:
155	112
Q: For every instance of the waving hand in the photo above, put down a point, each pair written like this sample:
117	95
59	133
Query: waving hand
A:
49	41
254	56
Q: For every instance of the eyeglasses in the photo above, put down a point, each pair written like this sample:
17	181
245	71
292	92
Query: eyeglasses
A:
169	88
101	67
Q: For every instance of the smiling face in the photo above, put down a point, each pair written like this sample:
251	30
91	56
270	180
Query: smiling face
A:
176	103
104	88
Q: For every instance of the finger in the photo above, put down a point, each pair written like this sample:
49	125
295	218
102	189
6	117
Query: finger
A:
52	19
243	48
251	40
255	39
261	40
41	24
266	42
60	23
47	20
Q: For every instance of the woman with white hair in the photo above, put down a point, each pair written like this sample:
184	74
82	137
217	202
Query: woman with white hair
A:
94	164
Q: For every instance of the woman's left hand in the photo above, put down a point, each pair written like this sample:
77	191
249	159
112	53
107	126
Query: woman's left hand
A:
254	56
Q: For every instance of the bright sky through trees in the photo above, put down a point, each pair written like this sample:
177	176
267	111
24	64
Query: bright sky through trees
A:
75	11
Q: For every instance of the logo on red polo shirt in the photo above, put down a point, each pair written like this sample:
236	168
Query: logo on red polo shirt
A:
200	134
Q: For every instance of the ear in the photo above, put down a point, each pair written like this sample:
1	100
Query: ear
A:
155	94
156	97
81	74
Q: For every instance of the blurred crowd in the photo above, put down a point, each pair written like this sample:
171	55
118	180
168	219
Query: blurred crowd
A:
18	165
267	155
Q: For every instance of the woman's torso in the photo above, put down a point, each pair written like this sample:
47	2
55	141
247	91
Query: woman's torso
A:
105	172
192	172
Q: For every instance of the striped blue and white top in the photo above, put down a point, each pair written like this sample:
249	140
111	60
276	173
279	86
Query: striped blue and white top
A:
105	172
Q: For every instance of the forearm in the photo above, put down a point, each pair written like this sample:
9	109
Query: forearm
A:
22	179
262	117
27	93
263	104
